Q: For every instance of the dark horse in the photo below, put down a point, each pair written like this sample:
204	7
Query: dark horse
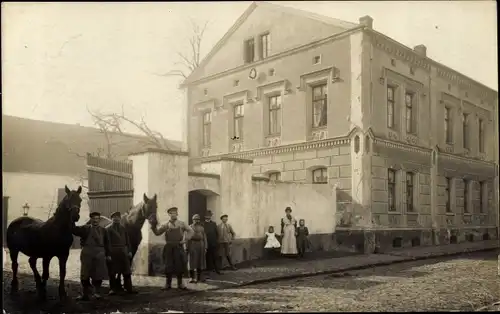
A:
133	222
38	239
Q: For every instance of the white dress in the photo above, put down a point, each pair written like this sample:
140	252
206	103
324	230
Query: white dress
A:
271	241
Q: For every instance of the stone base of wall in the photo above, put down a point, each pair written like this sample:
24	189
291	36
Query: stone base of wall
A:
355	241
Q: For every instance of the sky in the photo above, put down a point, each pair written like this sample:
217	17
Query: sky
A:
58	59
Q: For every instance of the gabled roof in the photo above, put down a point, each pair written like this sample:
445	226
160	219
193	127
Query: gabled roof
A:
35	146
270	6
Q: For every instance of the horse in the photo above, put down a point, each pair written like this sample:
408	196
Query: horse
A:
133	221
38	239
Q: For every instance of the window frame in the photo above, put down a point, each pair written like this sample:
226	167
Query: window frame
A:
206	129
448	125
249	52
391	189
277	111
264	48
410	108
465	131
481	135
447	191
324	174
391	104
238	120
482	185
466	196
323	101
410	206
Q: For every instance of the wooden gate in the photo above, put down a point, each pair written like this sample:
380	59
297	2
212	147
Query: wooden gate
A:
110	185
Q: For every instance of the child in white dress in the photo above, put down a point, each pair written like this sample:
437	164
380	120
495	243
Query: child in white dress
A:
272	243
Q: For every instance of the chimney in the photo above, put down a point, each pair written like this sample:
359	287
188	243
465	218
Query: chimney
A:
421	50
366	21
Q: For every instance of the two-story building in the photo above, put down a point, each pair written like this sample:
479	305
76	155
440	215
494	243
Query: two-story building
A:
410	143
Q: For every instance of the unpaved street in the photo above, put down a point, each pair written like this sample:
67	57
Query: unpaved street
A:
455	283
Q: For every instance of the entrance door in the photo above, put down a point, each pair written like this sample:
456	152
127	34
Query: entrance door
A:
197	205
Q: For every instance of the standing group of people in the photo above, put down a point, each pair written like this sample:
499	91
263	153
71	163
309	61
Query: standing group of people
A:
201	242
294	239
105	252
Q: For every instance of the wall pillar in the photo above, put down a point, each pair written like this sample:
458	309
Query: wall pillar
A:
164	173
434	196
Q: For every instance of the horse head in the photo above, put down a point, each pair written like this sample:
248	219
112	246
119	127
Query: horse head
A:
150	208
69	207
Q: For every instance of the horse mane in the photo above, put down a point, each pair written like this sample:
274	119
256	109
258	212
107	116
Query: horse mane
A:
133	213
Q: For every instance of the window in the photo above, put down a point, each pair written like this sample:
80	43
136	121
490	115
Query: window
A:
391	188
207	123
466	196
265	45
482	194
320	176
249	51
390	106
319	102
447	194
448	130
317	59
410	128
238	121
274	114
275	176
465	128
409	191
481	136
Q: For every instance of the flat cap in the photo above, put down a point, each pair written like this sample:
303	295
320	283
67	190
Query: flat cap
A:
172	209
117	214
95	214
223	216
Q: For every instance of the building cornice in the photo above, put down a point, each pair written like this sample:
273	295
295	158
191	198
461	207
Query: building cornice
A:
402	146
275	57
283	86
458	158
407	54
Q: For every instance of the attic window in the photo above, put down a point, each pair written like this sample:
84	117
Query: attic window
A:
271	72
249	51
393	62
412	71
449	86
205	92
466	94
317	60
236	82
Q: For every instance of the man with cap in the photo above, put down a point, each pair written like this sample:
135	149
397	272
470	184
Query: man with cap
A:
226	237
93	256
120	255
176	234
197	248
212	234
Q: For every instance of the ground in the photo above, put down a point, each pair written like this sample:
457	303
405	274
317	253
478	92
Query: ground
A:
466	282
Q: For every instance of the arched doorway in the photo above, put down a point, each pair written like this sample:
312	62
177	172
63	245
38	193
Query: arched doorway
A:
199	202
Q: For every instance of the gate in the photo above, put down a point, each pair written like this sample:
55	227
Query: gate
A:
110	185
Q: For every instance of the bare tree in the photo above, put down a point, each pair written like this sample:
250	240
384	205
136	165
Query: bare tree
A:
191	60
110	124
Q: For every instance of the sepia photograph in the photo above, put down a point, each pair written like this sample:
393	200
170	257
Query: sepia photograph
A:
237	156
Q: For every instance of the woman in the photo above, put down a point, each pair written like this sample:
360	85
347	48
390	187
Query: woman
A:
288	229
197	248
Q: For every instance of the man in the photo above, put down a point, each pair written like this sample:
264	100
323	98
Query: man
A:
95	252
173	252
226	237
197	248
212	234
120	255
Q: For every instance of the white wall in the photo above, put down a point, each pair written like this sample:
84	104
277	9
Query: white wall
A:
40	192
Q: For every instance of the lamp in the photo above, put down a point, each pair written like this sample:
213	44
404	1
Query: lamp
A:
26	209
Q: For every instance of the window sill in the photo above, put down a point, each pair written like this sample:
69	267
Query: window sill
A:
467	214
320	183
412	212
393	212
273	135
450	214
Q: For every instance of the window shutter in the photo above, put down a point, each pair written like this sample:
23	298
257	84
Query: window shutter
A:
260	47
245	52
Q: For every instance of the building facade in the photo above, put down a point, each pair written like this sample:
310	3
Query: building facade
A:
410	145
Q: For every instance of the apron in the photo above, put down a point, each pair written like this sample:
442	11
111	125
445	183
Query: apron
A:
93	256
173	252
120	262
197	249
289	243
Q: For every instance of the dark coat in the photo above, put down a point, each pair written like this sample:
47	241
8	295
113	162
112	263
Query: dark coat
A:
212	233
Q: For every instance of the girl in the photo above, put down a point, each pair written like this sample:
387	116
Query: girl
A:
271	241
302	240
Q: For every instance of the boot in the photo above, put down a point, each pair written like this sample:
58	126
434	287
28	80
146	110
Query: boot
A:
112	284
127	282
97	288
168	282
192	276
180	285
199	278
231	266
85	291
